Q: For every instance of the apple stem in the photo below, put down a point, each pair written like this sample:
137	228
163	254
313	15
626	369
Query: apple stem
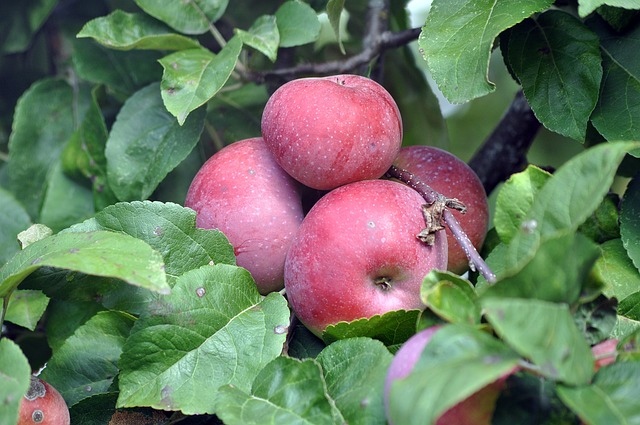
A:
431	197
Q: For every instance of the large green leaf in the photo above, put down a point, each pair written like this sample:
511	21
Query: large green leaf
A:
616	271
262	36
557	61
545	333
97	253
585	7
14	380
297	23
126	31
146	142
13	220
214	329
617	114
393	327
188	16
21	21
86	363
630	220
26	308
457	39
286	391
612	398
192	77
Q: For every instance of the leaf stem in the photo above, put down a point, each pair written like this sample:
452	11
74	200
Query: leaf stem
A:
5	306
215	137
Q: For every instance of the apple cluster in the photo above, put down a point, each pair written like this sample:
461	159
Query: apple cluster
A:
354	252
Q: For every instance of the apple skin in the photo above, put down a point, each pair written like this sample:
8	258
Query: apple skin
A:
352	239
243	192
477	409
43	405
605	352
453	178
329	131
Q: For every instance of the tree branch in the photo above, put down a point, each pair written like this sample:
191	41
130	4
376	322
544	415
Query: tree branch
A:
505	150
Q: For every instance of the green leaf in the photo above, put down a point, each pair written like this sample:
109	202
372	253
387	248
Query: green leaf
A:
26	308
458	361
13	220
625	327
192	77
96	410
86	363
603	225
557	61
616	271
42	124
286	391
145	143
297	23
214	329
14	380
34	233
394	327
262	36
450	297
20	22
457	39
126	31
630	220
171	230
630	306
64	317
515	199
585	7
545	333
596	319
97	253
611	399
354	370
334	12
617	114
556	273
188	16
302	343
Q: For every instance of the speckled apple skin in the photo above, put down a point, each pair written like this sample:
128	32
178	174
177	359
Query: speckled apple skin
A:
43	405
243	192
329	131
352	236
452	177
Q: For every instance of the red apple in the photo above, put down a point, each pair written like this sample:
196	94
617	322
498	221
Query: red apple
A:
326	132
452	177
43	405
356	255
243	192
605	352
477	409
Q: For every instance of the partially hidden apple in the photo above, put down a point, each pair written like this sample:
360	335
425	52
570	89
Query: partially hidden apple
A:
356	255
477	409
605	352
329	131
43	405
244	193
452	177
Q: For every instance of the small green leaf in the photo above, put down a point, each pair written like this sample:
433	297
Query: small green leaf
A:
354	370
146	143
297	23
262	36
97	410
616	271
126	31
26	308
394	327
14	380
64	317
85	364
630	220
97	253
610	399
13	220
450	297
585	7
303	344
214	329
596	319
603	225
192	77
557	61
630	306
334	12
286	391
457	39
188	16
515	199
545	333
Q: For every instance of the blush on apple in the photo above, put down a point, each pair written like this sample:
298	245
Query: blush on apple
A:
356	255
453	178
329	131
244	193
43	405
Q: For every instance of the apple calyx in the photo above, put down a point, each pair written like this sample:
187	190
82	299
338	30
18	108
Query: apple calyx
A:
384	282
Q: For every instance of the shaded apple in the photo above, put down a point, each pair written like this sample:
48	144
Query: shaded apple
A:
356	255
43	405
329	131
245	194
453	178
